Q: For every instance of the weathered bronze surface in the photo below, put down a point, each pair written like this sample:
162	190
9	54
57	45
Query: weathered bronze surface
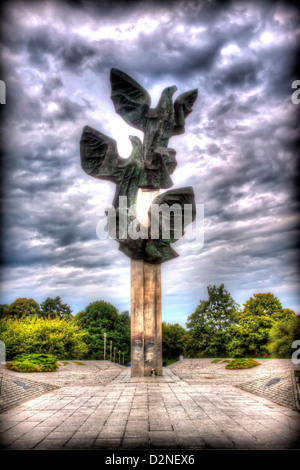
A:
150	164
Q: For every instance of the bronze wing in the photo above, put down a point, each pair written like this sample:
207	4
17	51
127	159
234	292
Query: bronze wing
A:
130	99
99	155
170	225
183	106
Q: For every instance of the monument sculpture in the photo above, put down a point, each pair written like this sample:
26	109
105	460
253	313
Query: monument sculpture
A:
148	168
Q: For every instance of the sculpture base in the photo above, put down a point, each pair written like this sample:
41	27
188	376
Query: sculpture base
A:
146	330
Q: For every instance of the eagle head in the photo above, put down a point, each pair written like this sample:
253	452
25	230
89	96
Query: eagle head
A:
136	141
170	90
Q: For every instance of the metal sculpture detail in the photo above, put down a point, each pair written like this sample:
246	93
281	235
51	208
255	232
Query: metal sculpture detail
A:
148	167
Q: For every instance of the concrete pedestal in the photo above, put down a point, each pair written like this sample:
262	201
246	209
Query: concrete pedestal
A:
146	330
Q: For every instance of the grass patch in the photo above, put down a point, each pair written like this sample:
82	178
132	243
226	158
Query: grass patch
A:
242	364
215	361
226	361
168	362
79	363
297	375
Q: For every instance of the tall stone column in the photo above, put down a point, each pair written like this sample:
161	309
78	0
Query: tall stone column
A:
146	330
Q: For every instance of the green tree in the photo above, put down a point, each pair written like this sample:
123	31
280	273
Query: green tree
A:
101	317
22	307
3	307
282	335
207	326
172	340
54	307
250	333
296	328
121	336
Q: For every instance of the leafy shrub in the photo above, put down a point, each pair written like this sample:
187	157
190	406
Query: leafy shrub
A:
36	335
25	366
33	363
242	364
44	361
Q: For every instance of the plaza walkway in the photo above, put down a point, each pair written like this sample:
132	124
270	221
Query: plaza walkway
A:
154	412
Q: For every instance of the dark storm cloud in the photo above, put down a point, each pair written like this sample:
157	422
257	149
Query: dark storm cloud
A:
21	104
243	73
52	84
76	54
41	43
41	159
153	54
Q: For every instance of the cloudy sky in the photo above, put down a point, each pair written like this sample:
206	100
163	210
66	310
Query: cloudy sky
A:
238	151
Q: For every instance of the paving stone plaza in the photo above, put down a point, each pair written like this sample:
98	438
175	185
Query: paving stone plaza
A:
196	404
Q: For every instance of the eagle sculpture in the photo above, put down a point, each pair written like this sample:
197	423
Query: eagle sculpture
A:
150	164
